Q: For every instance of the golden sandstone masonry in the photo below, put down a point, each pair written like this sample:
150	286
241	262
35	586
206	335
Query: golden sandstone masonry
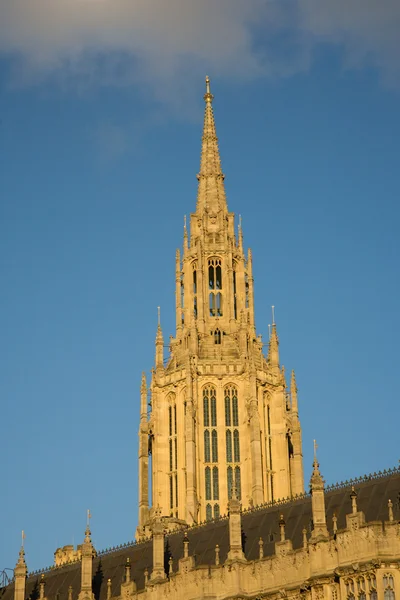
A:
228	517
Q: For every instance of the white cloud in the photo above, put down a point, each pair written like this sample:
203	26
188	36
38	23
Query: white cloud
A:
158	43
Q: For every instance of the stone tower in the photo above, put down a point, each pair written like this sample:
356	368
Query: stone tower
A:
222	421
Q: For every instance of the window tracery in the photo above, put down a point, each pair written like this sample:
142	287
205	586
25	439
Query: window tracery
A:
211	473
232	441
388	587
173	455
214	286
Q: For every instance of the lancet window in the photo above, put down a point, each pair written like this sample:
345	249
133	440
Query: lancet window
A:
372	587
173	456
211	471
214	286
388	587
361	588
232	441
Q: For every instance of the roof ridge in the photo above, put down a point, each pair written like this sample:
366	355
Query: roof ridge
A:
362	479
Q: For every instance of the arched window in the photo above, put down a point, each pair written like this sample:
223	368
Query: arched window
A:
208	483
227	411
214	446
214	285
236	447
361	589
350	589
213	409
238	483
235	409
228	446
206	408
232	441
208	512
211	474
215	484
216	511
230	481
207	454
388	587
217	336
373	593
173	453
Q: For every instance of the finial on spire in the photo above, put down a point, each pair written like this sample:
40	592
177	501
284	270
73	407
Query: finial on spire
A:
23	536
390	507
158	316
353	497
87	530
273	314
208	97
315	452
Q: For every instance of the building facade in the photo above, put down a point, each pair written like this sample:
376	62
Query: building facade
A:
220	450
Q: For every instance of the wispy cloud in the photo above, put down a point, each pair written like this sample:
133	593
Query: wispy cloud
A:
157	43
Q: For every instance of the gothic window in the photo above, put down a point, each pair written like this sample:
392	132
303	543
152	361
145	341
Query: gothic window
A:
215	484
215	304
236	447
388	587
171	493
207	454
235	409
211	473
228	446
214	274
238	483
227	411
208	483
373	594
216	511
214	446
361	589
206	407
217	336
208	512
171	462
350	589
230	481
213	409
232	442
173	453
214	285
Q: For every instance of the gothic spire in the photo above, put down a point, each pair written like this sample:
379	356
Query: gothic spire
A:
211	191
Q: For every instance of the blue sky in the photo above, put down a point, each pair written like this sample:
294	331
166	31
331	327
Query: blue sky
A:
101	116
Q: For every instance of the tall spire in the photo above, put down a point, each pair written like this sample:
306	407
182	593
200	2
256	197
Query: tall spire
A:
211	191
